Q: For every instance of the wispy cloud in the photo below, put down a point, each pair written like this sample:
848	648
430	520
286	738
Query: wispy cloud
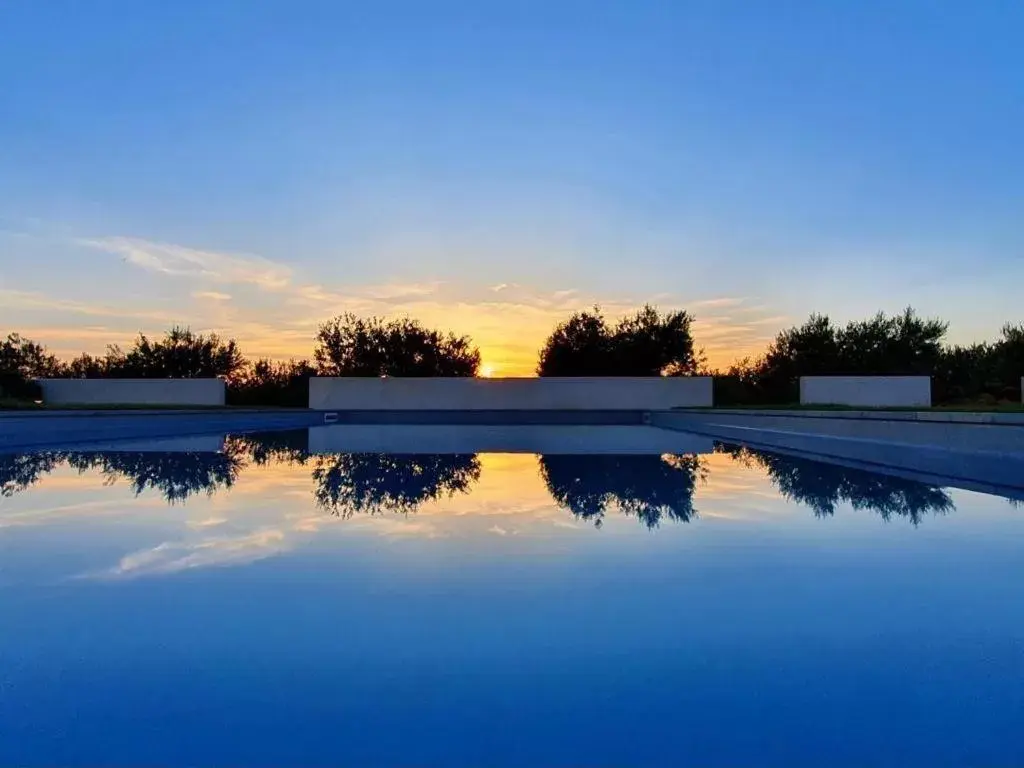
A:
212	295
724	301
171	557
214	266
33	300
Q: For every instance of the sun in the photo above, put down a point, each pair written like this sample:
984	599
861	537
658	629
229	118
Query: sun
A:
487	370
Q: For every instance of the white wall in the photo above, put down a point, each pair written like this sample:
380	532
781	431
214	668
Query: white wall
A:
570	393
870	391
133	391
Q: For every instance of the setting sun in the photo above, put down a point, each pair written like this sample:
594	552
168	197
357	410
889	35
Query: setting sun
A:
487	370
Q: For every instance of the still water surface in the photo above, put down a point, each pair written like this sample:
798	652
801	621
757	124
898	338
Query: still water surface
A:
420	596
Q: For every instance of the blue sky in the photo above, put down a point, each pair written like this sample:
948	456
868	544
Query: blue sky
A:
254	167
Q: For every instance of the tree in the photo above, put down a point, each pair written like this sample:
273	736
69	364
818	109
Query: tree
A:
902	345
354	346
1008	354
181	354
646	343
807	350
581	346
21	361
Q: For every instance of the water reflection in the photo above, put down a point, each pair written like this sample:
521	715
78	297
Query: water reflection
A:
823	486
20	471
176	476
653	488
262	448
650	488
349	483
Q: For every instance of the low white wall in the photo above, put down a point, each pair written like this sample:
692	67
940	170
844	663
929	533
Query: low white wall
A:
133	391
569	393
869	391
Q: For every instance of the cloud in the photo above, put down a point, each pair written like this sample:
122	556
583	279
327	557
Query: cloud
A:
33	300
178	260
724	301
212	295
171	557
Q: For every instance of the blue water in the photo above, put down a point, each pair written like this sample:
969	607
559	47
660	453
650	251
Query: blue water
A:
493	596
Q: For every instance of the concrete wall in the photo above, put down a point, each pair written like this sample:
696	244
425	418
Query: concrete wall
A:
570	393
867	391
133	391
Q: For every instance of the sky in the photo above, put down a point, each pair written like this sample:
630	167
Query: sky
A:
255	167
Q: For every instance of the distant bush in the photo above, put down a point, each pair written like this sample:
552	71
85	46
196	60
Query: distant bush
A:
265	382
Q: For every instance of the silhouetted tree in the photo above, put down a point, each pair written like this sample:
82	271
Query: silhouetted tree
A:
645	343
180	354
348	483
85	366
354	346
1009	360
807	350
650	488
822	486
21	361
901	345
266	382
581	346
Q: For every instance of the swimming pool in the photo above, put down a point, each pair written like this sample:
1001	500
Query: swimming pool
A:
614	595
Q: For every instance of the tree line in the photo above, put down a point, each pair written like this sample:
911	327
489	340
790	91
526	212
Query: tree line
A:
647	342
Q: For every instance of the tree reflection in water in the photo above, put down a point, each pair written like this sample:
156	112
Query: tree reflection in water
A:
650	488
348	483
261	448
176	476
822	486
20	471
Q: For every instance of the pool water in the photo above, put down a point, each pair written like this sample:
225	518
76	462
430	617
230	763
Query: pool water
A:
617	596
